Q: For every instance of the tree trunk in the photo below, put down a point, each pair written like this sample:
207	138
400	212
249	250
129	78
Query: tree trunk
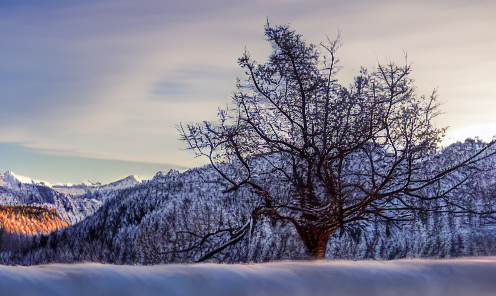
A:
315	241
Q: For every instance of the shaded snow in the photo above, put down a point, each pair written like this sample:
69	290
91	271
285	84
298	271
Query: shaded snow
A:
469	276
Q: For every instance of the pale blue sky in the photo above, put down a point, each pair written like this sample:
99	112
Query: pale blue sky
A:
85	82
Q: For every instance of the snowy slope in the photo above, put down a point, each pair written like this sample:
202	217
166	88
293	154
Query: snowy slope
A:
460	277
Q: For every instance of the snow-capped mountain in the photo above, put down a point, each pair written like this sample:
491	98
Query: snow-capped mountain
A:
127	182
73	202
89	187
12	179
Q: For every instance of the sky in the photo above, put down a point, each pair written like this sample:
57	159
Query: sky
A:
93	89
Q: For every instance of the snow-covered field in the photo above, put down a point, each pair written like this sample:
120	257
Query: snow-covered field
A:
468	276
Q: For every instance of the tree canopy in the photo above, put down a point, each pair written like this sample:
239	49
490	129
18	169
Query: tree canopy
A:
324	156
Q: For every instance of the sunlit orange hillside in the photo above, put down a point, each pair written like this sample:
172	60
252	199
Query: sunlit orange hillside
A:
29	219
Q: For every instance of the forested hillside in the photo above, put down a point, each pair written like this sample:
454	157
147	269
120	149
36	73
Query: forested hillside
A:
29	220
19	223
181	217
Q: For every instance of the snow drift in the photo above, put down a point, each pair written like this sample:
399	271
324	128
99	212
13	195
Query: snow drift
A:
468	276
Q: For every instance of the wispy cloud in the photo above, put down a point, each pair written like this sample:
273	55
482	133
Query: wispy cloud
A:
110	79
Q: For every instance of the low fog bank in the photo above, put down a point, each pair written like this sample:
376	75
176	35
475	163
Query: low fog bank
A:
467	276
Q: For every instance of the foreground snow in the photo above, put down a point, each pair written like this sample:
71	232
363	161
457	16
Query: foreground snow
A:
470	276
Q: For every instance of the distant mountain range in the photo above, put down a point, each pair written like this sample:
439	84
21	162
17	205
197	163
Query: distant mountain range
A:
72	202
13	179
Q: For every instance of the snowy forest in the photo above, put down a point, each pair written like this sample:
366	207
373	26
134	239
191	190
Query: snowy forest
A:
300	167
149	222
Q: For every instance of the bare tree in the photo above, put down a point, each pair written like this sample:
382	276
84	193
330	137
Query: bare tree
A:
321	155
